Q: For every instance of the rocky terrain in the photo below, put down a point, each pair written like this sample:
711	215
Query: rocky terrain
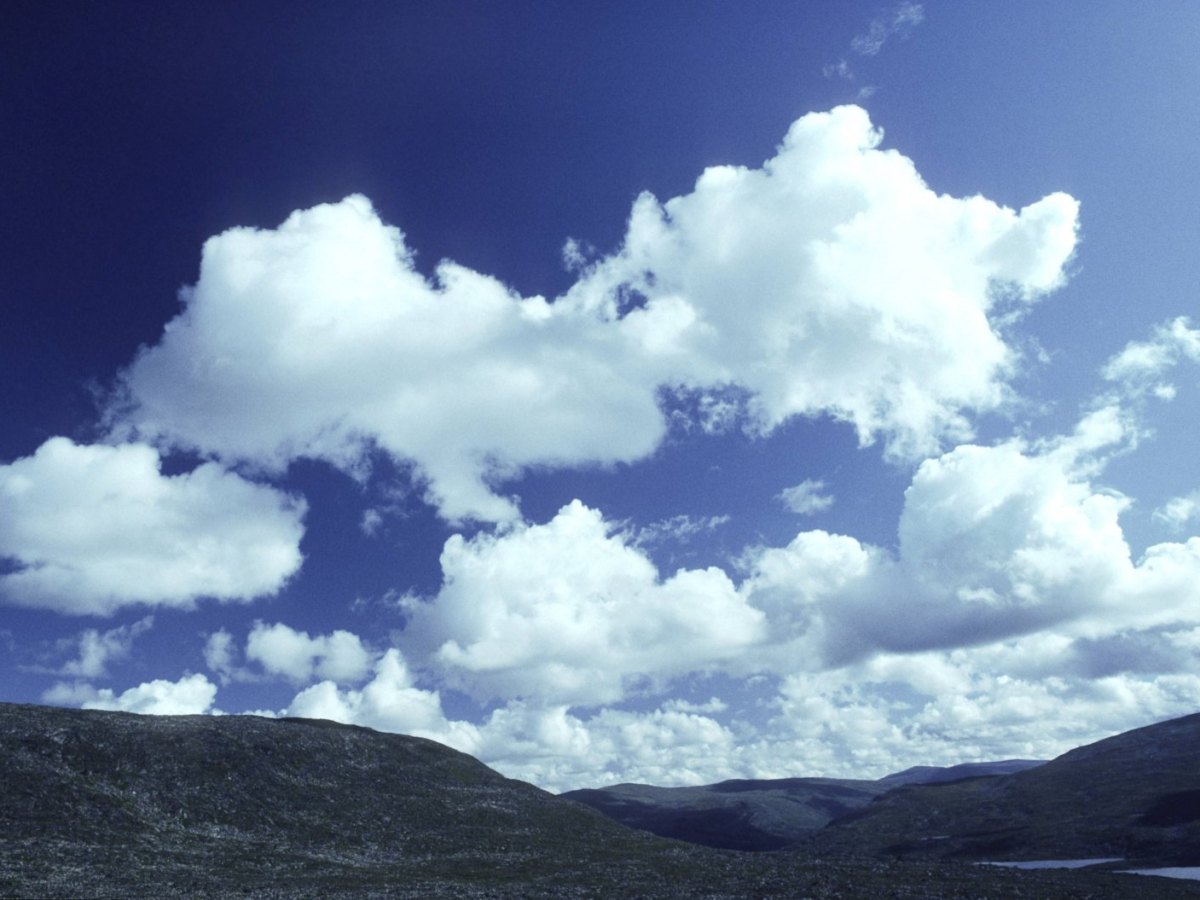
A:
765	814
100	804
1135	795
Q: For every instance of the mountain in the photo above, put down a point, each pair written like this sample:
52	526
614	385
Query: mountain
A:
105	804
737	815
124	801
1135	795
941	774
764	814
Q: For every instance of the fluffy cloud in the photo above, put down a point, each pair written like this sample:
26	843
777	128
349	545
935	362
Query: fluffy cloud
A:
1017	698
94	528
390	701
190	695
560	751
993	542
280	650
320	339
806	498
831	280
570	613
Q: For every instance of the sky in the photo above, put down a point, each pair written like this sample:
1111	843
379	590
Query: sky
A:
662	392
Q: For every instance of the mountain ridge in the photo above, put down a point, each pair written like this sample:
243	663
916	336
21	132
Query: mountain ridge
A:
761	814
1132	795
105	804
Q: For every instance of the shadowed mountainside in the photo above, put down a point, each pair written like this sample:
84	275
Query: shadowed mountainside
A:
102	804
942	774
764	814
1135	795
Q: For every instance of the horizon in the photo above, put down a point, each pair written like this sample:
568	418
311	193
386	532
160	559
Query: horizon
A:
664	395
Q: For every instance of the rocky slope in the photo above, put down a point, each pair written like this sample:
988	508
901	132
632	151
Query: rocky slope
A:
97	804
1135	795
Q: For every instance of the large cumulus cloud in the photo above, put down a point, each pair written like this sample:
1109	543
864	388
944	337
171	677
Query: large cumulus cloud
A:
569	612
831	280
319	339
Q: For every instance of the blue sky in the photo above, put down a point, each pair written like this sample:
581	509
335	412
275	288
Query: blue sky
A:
663	393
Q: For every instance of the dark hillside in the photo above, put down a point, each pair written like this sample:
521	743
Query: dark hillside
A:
736	815
1134	795
761	814
98	804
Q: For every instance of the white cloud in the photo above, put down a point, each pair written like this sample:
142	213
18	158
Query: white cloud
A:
806	498
897	22
831	280
1009	699
283	651
220	655
97	648
1142	364
993	542
190	695
390	701
1178	511
569	613
96	528
680	529
371	522
320	339
560	751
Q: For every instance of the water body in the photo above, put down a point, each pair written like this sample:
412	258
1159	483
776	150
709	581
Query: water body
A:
1191	873
1054	863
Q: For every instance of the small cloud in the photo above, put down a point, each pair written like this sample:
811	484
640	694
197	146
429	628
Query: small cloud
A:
576	255
282	651
840	69
1142	366
220	655
98	648
714	705
899	23
371	522
806	498
1178	511
681	529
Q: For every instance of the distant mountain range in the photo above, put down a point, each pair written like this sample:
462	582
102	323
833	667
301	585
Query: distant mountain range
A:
767	814
1135	795
104	804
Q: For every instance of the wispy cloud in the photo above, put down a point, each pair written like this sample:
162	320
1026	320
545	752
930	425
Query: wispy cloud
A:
806	498
898	22
1178	511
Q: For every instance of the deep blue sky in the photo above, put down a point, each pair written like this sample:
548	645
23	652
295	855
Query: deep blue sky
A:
489	134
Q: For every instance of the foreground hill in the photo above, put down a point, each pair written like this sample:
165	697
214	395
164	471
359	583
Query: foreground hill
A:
98	804
766	814
1135	795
